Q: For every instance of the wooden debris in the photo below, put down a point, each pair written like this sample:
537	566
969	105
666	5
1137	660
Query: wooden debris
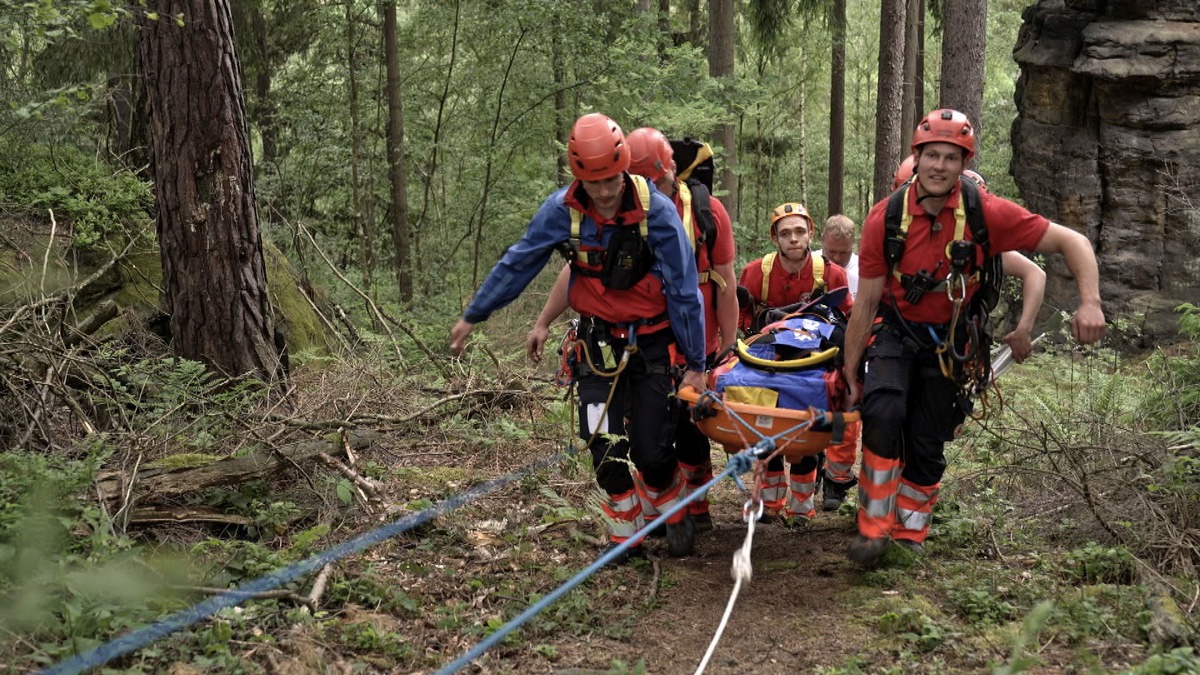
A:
157	484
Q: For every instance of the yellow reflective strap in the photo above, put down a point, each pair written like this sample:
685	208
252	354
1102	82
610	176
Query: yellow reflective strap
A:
905	221
643	193
580	254
768	263
685	196
818	275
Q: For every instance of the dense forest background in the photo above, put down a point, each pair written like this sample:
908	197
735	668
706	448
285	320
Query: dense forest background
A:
488	91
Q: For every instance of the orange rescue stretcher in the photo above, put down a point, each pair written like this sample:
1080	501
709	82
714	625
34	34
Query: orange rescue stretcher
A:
781	383
716	419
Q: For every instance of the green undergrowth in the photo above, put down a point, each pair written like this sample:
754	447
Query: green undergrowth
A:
1040	558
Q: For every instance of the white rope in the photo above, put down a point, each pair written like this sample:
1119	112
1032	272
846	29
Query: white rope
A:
741	571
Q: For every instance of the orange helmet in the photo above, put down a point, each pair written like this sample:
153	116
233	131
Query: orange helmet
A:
597	148
791	209
945	126
977	178
650	153
904	172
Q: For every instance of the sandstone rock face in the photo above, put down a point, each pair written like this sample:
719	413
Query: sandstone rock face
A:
1107	142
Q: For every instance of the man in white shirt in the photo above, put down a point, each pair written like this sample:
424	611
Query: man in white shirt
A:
837	244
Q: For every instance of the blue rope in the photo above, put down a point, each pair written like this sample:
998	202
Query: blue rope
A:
737	464
160	629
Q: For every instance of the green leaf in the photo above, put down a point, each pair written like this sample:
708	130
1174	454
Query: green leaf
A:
101	20
343	492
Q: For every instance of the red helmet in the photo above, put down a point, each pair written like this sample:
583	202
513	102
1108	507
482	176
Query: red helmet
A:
597	148
904	171
945	126
791	209
650	153
977	178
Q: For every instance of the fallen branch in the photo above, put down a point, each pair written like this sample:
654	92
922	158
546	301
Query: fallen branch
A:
318	589
370	487
260	595
654	581
159	484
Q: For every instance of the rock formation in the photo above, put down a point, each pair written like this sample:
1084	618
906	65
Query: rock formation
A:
1107	142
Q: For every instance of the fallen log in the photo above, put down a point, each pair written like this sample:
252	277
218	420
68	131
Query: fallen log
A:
157	484
153	515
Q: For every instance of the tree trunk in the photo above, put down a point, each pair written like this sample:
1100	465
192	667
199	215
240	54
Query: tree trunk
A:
720	64
397	170
664	29
562	120
919	82
213	269
964	43
908	107
837	109
887	103
364	229
264	116
695	23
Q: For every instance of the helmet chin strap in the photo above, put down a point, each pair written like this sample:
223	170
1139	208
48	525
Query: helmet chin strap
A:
789	257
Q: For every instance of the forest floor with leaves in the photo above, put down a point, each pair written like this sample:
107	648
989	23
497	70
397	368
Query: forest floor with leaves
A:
1021	573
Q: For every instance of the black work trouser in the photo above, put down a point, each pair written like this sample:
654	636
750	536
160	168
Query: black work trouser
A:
910	409
642	413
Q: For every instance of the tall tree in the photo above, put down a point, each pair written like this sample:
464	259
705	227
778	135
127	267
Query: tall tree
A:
397	170
964	44
213	269
837	108
720	65
908	107
887	103
919	69
364	226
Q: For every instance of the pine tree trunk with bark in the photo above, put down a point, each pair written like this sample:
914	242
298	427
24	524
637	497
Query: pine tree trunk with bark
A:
964	44
720	64
397	169
887	108
837	109
213	269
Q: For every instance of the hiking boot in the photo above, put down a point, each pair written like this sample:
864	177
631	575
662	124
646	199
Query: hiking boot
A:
866	551
702	521
681	537
624	556
797	522
658	531
768	516
914	547
834	493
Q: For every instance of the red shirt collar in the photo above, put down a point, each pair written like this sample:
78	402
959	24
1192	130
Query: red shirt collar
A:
628	212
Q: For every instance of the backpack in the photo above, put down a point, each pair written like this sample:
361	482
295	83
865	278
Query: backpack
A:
695	168
969	213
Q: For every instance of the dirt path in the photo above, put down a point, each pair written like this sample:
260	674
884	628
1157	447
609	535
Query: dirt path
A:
789	619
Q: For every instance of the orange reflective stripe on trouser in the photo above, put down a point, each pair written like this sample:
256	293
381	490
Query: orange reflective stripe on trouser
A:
877	484
664	499
774	490
649	511
623	514
800	494
914	510
696	477
839	458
